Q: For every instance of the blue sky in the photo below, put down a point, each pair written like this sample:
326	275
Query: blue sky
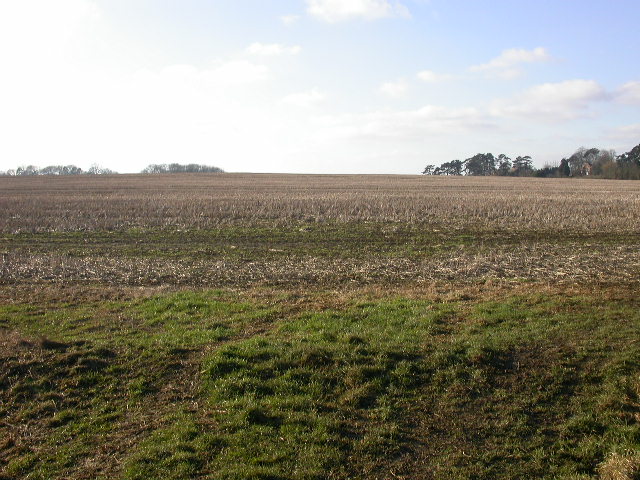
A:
314	86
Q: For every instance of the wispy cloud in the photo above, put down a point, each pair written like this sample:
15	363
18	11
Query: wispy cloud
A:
627	133
334	11
394	89
552	101
508	63
229	73
272	49
429	76
289	19
305	99
629	93
408	124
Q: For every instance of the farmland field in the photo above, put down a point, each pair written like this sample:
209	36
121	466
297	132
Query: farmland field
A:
237	326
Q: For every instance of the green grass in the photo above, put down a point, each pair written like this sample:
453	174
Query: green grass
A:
227	385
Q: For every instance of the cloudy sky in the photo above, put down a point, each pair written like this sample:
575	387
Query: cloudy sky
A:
319	86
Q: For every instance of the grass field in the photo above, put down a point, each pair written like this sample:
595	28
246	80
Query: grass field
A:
319	327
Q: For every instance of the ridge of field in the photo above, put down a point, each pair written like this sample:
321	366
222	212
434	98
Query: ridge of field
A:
602	262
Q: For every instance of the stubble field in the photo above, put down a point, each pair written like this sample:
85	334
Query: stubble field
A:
242	326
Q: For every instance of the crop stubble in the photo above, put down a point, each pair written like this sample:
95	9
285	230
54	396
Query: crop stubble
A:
424	228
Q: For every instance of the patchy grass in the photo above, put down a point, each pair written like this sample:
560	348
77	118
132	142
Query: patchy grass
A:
239	385
325	240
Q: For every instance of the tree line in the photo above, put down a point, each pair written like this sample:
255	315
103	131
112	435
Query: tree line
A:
178	168
57	170
583	162
98	170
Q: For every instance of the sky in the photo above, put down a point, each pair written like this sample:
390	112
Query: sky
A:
314	86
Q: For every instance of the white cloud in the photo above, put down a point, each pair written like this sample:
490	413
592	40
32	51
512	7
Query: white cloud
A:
178	113
629	133
334	11
238	71
227	74
410	124
395	89
305	99
629	93
506	65
507	73
42	31
433	77
514	56
552	101
289	19
272	49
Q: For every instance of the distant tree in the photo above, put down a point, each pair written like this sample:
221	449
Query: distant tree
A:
96	169
523	166
611	170
454	167
57	170
504	165
631	157
28	170
628	165
582	160
51	170
576	161
71	170
155	168
177	168
630	171
548	171
60	170
602	159
480	164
